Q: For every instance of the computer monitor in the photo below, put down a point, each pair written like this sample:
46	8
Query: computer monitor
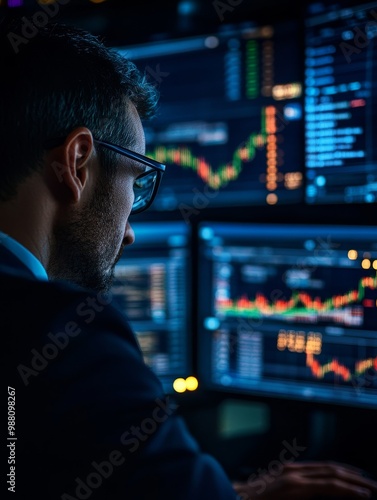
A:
230	119
152	288
289	311
341	102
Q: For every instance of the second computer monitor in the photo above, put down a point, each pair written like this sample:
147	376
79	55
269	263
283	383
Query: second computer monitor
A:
289	311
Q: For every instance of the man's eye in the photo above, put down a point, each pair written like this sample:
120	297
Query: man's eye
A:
145	180
139	183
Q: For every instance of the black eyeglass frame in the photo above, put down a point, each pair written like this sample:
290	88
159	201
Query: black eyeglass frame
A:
145	160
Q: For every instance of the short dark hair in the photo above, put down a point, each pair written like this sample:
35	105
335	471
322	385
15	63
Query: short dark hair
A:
61	79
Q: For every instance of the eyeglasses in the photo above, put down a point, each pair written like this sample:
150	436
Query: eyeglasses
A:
145	186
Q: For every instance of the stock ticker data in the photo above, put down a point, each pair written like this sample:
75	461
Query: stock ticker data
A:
341	102
151	287
229	125
289	311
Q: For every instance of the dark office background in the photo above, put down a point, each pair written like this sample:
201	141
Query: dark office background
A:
244	432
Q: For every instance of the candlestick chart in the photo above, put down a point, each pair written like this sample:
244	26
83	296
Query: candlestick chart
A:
215	178
344	308
338	369
323	358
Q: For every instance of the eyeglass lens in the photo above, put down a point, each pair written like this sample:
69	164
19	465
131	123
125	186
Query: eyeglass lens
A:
143	189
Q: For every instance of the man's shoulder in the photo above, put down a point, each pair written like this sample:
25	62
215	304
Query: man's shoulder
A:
51	295
33	310
56	327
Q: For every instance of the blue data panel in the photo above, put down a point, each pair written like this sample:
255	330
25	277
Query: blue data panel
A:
289	311
341	102
151	287
230	124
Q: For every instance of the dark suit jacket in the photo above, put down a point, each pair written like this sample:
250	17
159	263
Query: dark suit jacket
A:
91	419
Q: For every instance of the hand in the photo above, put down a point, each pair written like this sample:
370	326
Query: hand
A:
308	480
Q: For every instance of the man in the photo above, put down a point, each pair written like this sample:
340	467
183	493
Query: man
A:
86	417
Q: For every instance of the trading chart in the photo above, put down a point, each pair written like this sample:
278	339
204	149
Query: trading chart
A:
291	311
229	125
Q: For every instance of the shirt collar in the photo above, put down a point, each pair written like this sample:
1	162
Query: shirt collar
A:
24	255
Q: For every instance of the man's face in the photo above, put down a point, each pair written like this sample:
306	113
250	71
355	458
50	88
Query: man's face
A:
87	247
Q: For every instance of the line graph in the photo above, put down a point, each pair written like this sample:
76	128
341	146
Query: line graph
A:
311	344
342	308
217	178
319	371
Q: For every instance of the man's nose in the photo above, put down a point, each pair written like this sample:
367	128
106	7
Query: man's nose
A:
129	236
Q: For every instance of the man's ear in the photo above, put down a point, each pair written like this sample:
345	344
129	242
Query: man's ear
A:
70	163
